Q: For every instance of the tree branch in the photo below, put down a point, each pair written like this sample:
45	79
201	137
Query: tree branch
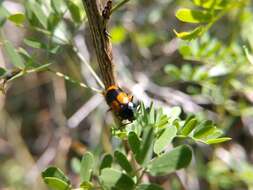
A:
101	41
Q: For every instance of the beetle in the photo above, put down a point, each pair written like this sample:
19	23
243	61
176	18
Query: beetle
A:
120	102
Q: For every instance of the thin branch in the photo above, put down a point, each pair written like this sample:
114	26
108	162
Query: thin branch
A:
101	41
70	79
81	57
22	73
119	5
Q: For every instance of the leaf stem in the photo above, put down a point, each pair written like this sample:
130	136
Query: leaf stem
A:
59	74
70	79
119	5
81	57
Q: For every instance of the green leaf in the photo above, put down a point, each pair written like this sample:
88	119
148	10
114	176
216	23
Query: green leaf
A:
14	57
134	142
189	126
74	11
123	162
190	34
58	5
176	159
218	140
2	71
112	178
38	12
146	148
54	172
86	185
34	43
193	16
207	4
106	161
17	18
56	183
204	129
4	13
148	187
87	165
52	21
165	138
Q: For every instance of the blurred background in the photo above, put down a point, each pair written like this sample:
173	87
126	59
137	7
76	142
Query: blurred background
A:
45	120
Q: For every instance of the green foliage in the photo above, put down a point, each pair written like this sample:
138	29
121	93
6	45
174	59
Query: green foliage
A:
121	159
225	70
2	71
210	11
55	179
165	138
4	14
169	162
106	162
17	18
87	165
150	138
193	16
14	56
112	178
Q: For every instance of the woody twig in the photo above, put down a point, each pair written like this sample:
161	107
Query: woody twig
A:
98	18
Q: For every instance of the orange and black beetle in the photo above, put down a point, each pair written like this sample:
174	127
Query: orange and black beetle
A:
120	102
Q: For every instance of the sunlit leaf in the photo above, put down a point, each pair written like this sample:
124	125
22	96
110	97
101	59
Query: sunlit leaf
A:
87	165
165	139
39	13
112	178
218	140
56	183
189	126
207	4
14	57
4	13
58	5
17	18
86	185
204	129
190	34
75	11
193	16
55	172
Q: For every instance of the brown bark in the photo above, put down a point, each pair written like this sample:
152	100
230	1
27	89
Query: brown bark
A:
101	41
